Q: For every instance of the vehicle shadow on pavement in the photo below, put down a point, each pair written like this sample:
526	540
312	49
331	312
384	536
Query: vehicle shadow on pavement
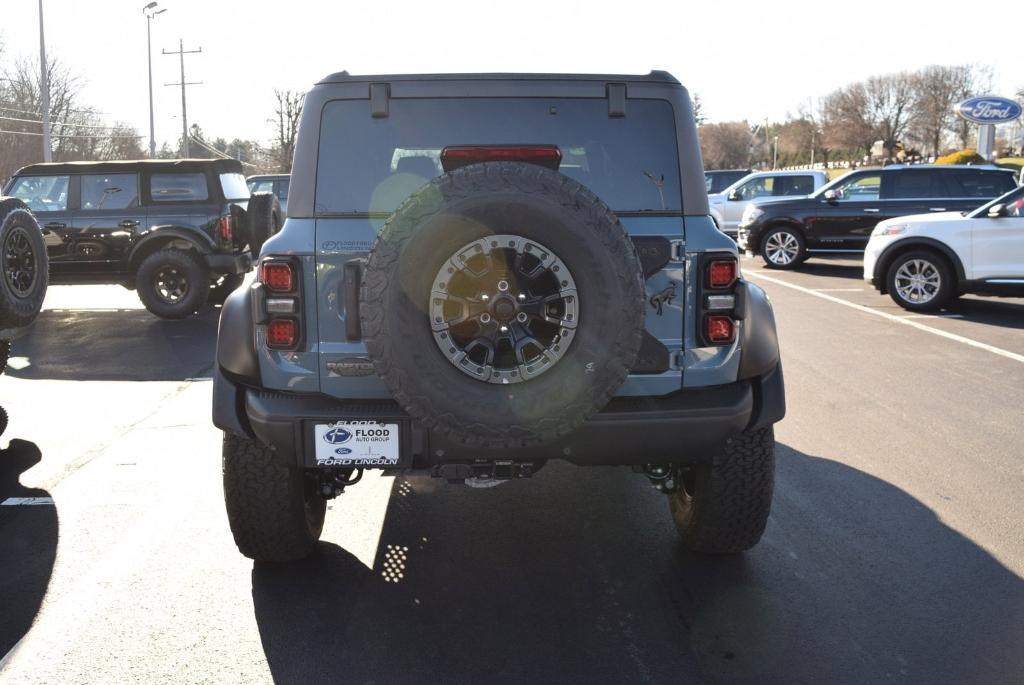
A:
578	576
832	269
989	311
116	345
28	545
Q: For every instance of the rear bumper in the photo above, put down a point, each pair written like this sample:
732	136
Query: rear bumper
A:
238	263
688	426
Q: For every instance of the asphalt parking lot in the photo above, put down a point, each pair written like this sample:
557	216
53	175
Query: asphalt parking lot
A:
894	551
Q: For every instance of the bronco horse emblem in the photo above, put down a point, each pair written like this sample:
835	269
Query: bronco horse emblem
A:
659	300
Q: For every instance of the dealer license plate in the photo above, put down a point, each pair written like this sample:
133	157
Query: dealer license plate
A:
356	443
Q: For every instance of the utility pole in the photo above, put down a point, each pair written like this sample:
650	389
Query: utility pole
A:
44	90
150	11
181	52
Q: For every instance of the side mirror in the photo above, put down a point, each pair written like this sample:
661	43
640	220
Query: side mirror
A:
996	211
734	195
831	195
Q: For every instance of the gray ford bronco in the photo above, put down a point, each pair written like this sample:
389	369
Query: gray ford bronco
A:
480	273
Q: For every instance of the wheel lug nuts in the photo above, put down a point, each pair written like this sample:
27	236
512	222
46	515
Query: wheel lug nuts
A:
485	318
502	286
521	317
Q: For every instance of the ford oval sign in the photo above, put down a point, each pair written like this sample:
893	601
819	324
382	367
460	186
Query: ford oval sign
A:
989	110
337	435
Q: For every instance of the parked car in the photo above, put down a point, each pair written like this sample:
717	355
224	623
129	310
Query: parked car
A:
23	276
727	207
839	217
925	260
717	180
271	183
480	273
179	231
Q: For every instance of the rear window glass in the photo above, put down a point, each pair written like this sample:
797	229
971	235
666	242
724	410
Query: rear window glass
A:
971	183
915	185
234	186
42	193
793	185
110	191
178	187
372	165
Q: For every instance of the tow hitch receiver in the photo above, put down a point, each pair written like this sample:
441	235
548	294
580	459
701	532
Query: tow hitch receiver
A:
492	470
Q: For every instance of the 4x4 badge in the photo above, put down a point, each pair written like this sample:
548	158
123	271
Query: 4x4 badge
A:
659	300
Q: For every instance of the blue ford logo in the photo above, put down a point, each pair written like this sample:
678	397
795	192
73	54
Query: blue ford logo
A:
989	110
336	436
343	450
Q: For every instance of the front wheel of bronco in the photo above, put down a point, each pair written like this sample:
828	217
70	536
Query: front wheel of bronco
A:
274	510
722	507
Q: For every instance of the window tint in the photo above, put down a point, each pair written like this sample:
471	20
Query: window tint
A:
978	183
758	187
859	189
368	164
110	191
178	187
793	185
42	193
914	185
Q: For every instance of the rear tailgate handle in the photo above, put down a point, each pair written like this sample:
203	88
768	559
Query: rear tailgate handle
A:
352	278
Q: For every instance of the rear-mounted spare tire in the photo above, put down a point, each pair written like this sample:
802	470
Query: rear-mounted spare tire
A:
24	265
503	304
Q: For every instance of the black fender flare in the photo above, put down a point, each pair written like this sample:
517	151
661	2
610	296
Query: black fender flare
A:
890	253
759	340
236	364
202	242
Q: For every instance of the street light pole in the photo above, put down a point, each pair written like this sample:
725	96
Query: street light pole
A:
44	90
775	154
147	10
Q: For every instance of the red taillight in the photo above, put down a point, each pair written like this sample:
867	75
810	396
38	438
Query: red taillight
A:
282	334
721	273
719	329
227	228
279	277
455	156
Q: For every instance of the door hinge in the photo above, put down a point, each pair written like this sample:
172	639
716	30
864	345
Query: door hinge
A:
678	250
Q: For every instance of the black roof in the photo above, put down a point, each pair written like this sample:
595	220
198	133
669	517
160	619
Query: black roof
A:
131	165
652	77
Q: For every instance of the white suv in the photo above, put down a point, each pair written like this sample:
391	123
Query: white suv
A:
727	206
924	260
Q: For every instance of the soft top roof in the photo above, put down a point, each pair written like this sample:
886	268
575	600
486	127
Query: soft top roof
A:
223	166
656	76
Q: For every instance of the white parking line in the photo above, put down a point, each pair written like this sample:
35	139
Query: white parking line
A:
891	317
933	316
838	290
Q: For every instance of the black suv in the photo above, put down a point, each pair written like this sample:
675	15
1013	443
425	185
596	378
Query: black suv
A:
841	215
718	180
180	231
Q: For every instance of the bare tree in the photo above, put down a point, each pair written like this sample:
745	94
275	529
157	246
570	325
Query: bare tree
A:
972	80
846	120
890	98
698	110
289	108
726	145
935	95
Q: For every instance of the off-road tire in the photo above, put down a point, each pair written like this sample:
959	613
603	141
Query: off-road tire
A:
947	285
500	198
187	263
20	306
5	354
723	507
263	218
3	420
273	509
227	285
801	255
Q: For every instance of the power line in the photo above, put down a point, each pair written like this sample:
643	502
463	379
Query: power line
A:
223	155
58	123
66	135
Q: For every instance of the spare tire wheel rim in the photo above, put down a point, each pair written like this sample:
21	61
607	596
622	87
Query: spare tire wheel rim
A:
504	309
171	285
19	262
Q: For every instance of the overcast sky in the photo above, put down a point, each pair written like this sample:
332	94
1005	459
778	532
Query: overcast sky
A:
745	59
